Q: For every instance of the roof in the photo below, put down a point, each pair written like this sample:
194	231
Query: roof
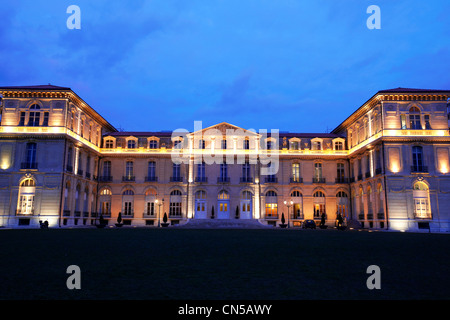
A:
38	87
410	90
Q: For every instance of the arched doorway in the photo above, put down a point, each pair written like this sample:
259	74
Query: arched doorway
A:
223	205
246	205
200	205
26	197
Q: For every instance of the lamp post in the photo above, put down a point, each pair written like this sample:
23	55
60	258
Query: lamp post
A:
288	204
159	209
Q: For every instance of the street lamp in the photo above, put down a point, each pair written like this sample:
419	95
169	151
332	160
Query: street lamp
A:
288	204
159	209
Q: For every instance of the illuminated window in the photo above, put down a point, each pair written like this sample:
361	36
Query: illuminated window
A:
316	145
297	199
175	203
131	144
338	145
271	204
421	201
342	203
200	204
109	144
25	203
319	204
296	172
153	144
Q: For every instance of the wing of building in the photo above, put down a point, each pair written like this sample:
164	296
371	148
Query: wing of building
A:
384	167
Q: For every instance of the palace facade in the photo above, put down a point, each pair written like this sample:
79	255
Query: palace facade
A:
384	167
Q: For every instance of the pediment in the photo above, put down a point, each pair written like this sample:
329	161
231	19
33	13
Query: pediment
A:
225	129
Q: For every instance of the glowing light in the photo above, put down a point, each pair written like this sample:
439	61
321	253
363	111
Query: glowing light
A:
395	168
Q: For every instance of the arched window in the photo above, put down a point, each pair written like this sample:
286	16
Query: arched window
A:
175	203
127	202
297	199
223	195
319	204
246	205
200	204
421	200
414	119
105	201
150	199
34	116
26	197
271	204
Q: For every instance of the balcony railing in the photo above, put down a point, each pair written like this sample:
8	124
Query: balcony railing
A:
368	174
360	177
28	165
342	180
77	213
295	180
201	179
128	214
149	215
79	172
352	179
380	216
175	215
27	213
223	180
85	214
271	180
378	171
361	216
66	213
297	216
319	180
420	169
176	179
69	168
151	179
370	216
246	180
423	215
271	216
128	178
105	178
88	175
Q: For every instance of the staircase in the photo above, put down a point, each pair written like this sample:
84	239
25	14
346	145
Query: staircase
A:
223	224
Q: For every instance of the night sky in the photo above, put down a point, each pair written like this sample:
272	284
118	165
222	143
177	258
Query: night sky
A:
297	66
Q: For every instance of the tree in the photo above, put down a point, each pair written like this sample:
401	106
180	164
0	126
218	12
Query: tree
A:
282	218
165	217
119	218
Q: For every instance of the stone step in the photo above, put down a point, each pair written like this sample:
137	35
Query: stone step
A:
224	224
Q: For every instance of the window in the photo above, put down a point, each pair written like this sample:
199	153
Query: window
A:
246	144
107	168
127	202
224	144
90	132
22	119
338	145
150	198
131	144
319	204
35	114
201	172
340	172
421	201
25	203
296	172
414	119
294	145
417	153
69	159
342	203
151	171
31	155
153	144
269	145
200	204
223	171
297	199
175	203
201	144
317	172
129	169
109	144
271	204
45	122
316	145
176	174
82	128
246	175
426	118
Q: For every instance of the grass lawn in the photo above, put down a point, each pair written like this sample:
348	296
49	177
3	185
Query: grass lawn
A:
141	263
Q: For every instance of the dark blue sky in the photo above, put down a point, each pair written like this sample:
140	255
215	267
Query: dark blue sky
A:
298	66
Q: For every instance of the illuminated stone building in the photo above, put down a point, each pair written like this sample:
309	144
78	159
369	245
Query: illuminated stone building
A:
384	167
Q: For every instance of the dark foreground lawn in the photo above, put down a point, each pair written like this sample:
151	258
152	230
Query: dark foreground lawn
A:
185	264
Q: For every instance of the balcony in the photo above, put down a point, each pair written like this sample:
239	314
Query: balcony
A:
419	169
149	215
295	180
175	215
85	214
128	178
271	217
69	168
380	216
319	180
29	165
176	179
19	212
370	216
368	174
271	180
342	180
88	175
77	213
297	216
378	171
246	180
151	179
359	177
128	215
66	213
80	172
423	215
105	178
201	179
223	180
361	216
352	179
